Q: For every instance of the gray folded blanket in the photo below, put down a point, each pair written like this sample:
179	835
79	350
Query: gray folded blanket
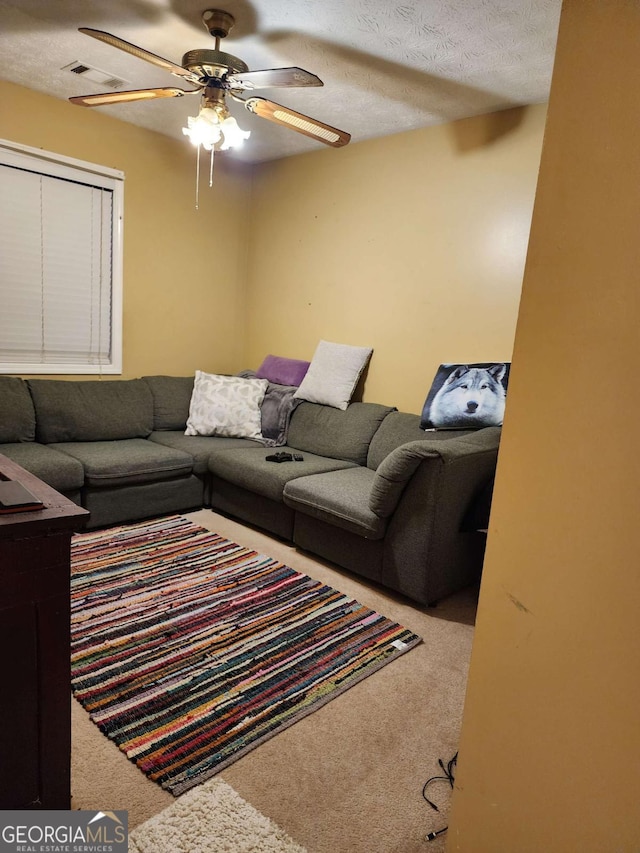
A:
276	410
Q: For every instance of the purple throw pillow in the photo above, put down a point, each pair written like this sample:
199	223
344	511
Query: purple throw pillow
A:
282	371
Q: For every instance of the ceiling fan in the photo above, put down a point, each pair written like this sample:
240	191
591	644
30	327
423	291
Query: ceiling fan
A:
215	75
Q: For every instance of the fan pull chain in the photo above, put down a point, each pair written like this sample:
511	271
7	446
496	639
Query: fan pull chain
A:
197	176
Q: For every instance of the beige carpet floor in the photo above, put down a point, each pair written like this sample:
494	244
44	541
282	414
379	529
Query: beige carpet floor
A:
348	778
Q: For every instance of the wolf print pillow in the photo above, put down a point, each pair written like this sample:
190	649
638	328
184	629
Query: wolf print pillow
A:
466	396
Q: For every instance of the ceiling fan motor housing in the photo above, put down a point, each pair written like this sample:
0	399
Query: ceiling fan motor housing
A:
213	63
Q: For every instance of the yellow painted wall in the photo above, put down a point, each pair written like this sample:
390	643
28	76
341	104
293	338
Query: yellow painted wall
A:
413	244
551	737
184	270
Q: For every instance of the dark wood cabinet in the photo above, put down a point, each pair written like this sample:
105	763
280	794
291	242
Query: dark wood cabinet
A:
35	709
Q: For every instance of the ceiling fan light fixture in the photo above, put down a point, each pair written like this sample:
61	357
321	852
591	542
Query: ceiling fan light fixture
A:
213	124
204	129
233	134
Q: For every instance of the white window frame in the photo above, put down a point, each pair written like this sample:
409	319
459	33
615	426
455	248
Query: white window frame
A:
79	171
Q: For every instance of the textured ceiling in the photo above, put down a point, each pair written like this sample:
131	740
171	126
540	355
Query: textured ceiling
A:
386	66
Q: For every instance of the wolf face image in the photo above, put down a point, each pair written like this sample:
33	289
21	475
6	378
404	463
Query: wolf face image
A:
470	396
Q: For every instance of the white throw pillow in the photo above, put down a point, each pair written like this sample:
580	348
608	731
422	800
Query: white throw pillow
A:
333	374
226	405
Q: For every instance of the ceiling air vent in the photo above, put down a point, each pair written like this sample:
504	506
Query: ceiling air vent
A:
104	78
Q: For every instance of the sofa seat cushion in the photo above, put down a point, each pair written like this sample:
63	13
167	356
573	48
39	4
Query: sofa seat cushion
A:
58	470
131	460
340	498
250	469
199	447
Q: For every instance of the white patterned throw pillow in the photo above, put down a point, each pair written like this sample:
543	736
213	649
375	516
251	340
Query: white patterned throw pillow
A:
226	405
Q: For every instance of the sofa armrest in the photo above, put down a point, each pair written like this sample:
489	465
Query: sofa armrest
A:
399	466
427	552
393	474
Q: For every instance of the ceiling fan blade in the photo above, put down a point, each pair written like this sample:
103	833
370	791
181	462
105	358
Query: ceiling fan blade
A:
297	121
132	95
134	50
274	77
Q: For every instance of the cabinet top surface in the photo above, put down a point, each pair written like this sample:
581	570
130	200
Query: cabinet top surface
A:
58	513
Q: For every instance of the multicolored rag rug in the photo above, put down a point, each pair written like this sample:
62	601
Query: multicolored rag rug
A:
189	650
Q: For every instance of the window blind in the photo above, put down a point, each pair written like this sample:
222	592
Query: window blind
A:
59	274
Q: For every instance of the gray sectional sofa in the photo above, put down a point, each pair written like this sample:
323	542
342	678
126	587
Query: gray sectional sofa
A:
373	492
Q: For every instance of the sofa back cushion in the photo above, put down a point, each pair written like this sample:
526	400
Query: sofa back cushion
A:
17	415
399	428
171	399
336	433
91	411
